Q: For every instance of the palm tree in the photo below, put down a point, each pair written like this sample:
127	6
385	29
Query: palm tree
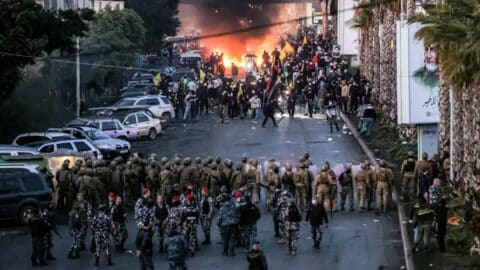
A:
454	28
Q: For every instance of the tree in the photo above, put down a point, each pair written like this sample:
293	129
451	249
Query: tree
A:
454	29
28	31
115	37
161	19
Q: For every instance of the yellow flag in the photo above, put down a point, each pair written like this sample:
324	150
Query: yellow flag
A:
305	40
157	79
287	49
202	76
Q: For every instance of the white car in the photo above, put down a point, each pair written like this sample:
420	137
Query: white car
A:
34	139
147	125
82	147
158	105
19	167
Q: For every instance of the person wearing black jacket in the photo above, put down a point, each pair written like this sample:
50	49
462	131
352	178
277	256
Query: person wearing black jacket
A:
317	215
249	215
268	112
39	229
144	246
256	259
423	186
160	212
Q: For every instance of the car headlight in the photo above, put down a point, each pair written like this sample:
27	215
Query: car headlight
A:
107	146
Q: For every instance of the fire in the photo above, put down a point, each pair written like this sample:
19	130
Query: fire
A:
454	221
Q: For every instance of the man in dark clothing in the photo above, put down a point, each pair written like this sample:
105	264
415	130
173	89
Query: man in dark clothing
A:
317	214
176	250
423	187
144	246
291	100
256	258
249	215
269	111
39	229
368	116
441	215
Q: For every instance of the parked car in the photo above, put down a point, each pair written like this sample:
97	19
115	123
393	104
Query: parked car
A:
135	89
109	147
21	193
147	125
180	73
82	147
34	139
158	105
111	126
19	167
13	150
143	77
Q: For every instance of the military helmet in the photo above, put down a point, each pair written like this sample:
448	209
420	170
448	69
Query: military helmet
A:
153	156
228	163
218	160
410	154
381	163
177	161
66	161
244	158
177	155
306	155
198	160
239	166
113	164
164	160
367	163
324	167
90	172
210	159
167	165
119	159
187	161
82	172
205	162
78	162
326	163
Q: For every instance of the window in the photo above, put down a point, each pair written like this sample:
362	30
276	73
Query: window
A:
94	124
108	125
82	147
9	185
32	182
152	101
165	100
13	170
65	146
142	118
29	139
47	149
142	102
78	134
131	120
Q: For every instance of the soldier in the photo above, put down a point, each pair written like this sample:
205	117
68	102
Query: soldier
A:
317	214
85	211
166	179
332	188
228	219
153	177
282	205
272	179
215	180
384	183
301	181
175	168
130	180
144	246
370	184
65	188
276	210
143	208
75	170
117	179
207	211
103	173
77	220
138	177
186	173
119	224
423	166
307	161
346	182
322	186
249	215
361	180
287	179
190	225
292	227
160	211
205	173
39	229
253	181
48	176
163	162
176	250
197	174
436	166
409	185
218	160
101	226
96	190
227	172
238	177
46	215
256	258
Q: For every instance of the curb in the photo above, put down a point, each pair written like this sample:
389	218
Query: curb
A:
407	245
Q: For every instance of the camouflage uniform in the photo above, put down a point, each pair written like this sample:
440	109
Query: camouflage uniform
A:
205	173
197	174
228	219
253	181
166	180
86	211
174	219
152	179
346	182
97	191
292	228
272	179
77	221
370	184
384	182
190	226
227	172
143	211
238	177
282	206
117	179
176	251
361	180
185	174
215	181
409	183
288	179
101	228
333	189
66	190
300	180
48	243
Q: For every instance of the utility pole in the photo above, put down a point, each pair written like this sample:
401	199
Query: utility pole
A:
78	76
325	19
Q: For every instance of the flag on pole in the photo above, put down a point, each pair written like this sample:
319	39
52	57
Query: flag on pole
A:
276	73
305	40
157	79
201	76
286	50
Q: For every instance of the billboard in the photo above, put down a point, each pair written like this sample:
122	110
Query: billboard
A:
417	78
347	35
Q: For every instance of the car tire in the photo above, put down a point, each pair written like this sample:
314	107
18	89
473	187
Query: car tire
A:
167	115
23	213
152	134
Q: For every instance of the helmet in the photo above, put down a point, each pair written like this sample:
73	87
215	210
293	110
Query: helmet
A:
410	154
218	160
228	163
177	161
306	155
239	166
348	167
164	160
210	159
198	160
244	159
187	161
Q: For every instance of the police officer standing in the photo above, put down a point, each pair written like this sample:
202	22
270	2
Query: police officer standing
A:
346	182
409	185
77	221
176	250
292	227
144	246
384	183
101	225
229	218
317	214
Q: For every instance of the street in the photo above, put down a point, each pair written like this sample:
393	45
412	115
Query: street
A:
354	240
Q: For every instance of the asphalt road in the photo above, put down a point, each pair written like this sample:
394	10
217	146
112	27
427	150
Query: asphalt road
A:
354	240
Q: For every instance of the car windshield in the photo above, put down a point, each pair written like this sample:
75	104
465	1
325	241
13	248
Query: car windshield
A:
125	102
96	135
